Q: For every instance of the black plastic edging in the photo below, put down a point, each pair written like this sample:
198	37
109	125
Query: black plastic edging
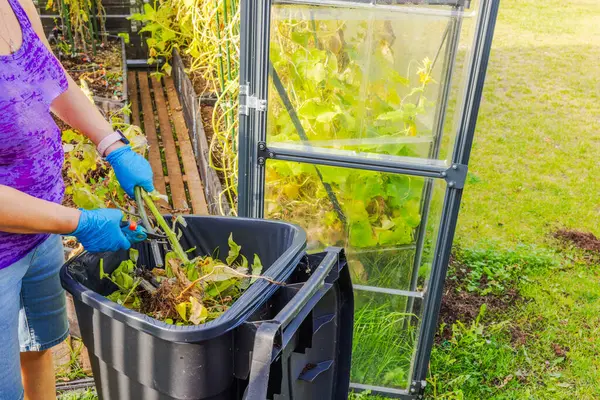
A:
78	384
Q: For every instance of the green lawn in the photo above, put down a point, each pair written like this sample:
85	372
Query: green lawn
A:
535	159
534	169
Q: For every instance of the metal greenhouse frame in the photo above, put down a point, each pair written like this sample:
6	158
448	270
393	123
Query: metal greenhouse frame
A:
254	150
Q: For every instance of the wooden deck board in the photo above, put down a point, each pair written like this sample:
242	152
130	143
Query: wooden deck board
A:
174	172
192	176
150	131
133	97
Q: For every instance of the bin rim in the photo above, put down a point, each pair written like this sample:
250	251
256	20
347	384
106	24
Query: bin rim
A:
258	293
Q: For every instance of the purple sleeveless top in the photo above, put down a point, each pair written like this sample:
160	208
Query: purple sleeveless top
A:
31	155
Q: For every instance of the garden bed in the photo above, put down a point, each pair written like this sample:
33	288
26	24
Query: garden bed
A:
105	75
196	109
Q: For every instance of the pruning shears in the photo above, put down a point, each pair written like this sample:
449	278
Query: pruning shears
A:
147	230
136	233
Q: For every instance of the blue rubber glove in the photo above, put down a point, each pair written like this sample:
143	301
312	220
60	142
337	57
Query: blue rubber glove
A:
131	170
100	230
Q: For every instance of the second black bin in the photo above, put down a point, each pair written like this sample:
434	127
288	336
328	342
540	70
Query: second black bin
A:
136	357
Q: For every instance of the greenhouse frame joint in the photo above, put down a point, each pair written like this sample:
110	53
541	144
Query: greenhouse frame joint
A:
417	388
456	176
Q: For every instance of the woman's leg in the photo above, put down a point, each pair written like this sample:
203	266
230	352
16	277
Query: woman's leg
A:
37	372
42	319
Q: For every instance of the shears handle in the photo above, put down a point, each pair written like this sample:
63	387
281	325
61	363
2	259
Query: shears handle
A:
134	232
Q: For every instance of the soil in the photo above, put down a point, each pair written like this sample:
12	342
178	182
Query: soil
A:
102	72
463	306
207	113
201	86
582	240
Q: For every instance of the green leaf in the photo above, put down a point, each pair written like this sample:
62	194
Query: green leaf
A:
134	255
116	297
123	280
192	272
234	250
327	116
125	37
361	235
316	73
182	309
128	266
168	35
149	12
169	256
218	288
392	116
101	268
256	267
84	198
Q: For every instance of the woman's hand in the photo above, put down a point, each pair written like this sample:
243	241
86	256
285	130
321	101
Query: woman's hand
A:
131	170
100	230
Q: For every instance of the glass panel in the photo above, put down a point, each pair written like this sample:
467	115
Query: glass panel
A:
359	79
385	337
375	216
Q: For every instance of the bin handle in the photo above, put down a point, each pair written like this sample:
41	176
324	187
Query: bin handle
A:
269	331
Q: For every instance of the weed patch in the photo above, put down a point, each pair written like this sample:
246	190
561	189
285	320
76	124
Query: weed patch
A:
477	360
487	277
89	394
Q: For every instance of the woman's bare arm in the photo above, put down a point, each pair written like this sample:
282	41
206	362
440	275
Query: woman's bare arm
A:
22	213
73	106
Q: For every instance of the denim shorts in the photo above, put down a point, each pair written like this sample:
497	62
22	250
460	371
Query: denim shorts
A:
33	313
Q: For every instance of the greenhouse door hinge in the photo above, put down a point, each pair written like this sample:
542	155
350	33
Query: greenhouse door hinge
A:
417	389
456	176
248	102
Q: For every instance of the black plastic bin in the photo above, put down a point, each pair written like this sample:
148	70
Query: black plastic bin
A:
288	342
299	345
134	356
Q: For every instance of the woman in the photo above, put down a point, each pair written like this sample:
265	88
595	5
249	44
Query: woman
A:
32	302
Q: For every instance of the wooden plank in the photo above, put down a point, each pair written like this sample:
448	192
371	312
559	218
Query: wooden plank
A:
133	97
166	133
192	175
150	131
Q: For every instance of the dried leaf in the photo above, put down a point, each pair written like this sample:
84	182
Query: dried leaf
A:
198	313
222	273
181	221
